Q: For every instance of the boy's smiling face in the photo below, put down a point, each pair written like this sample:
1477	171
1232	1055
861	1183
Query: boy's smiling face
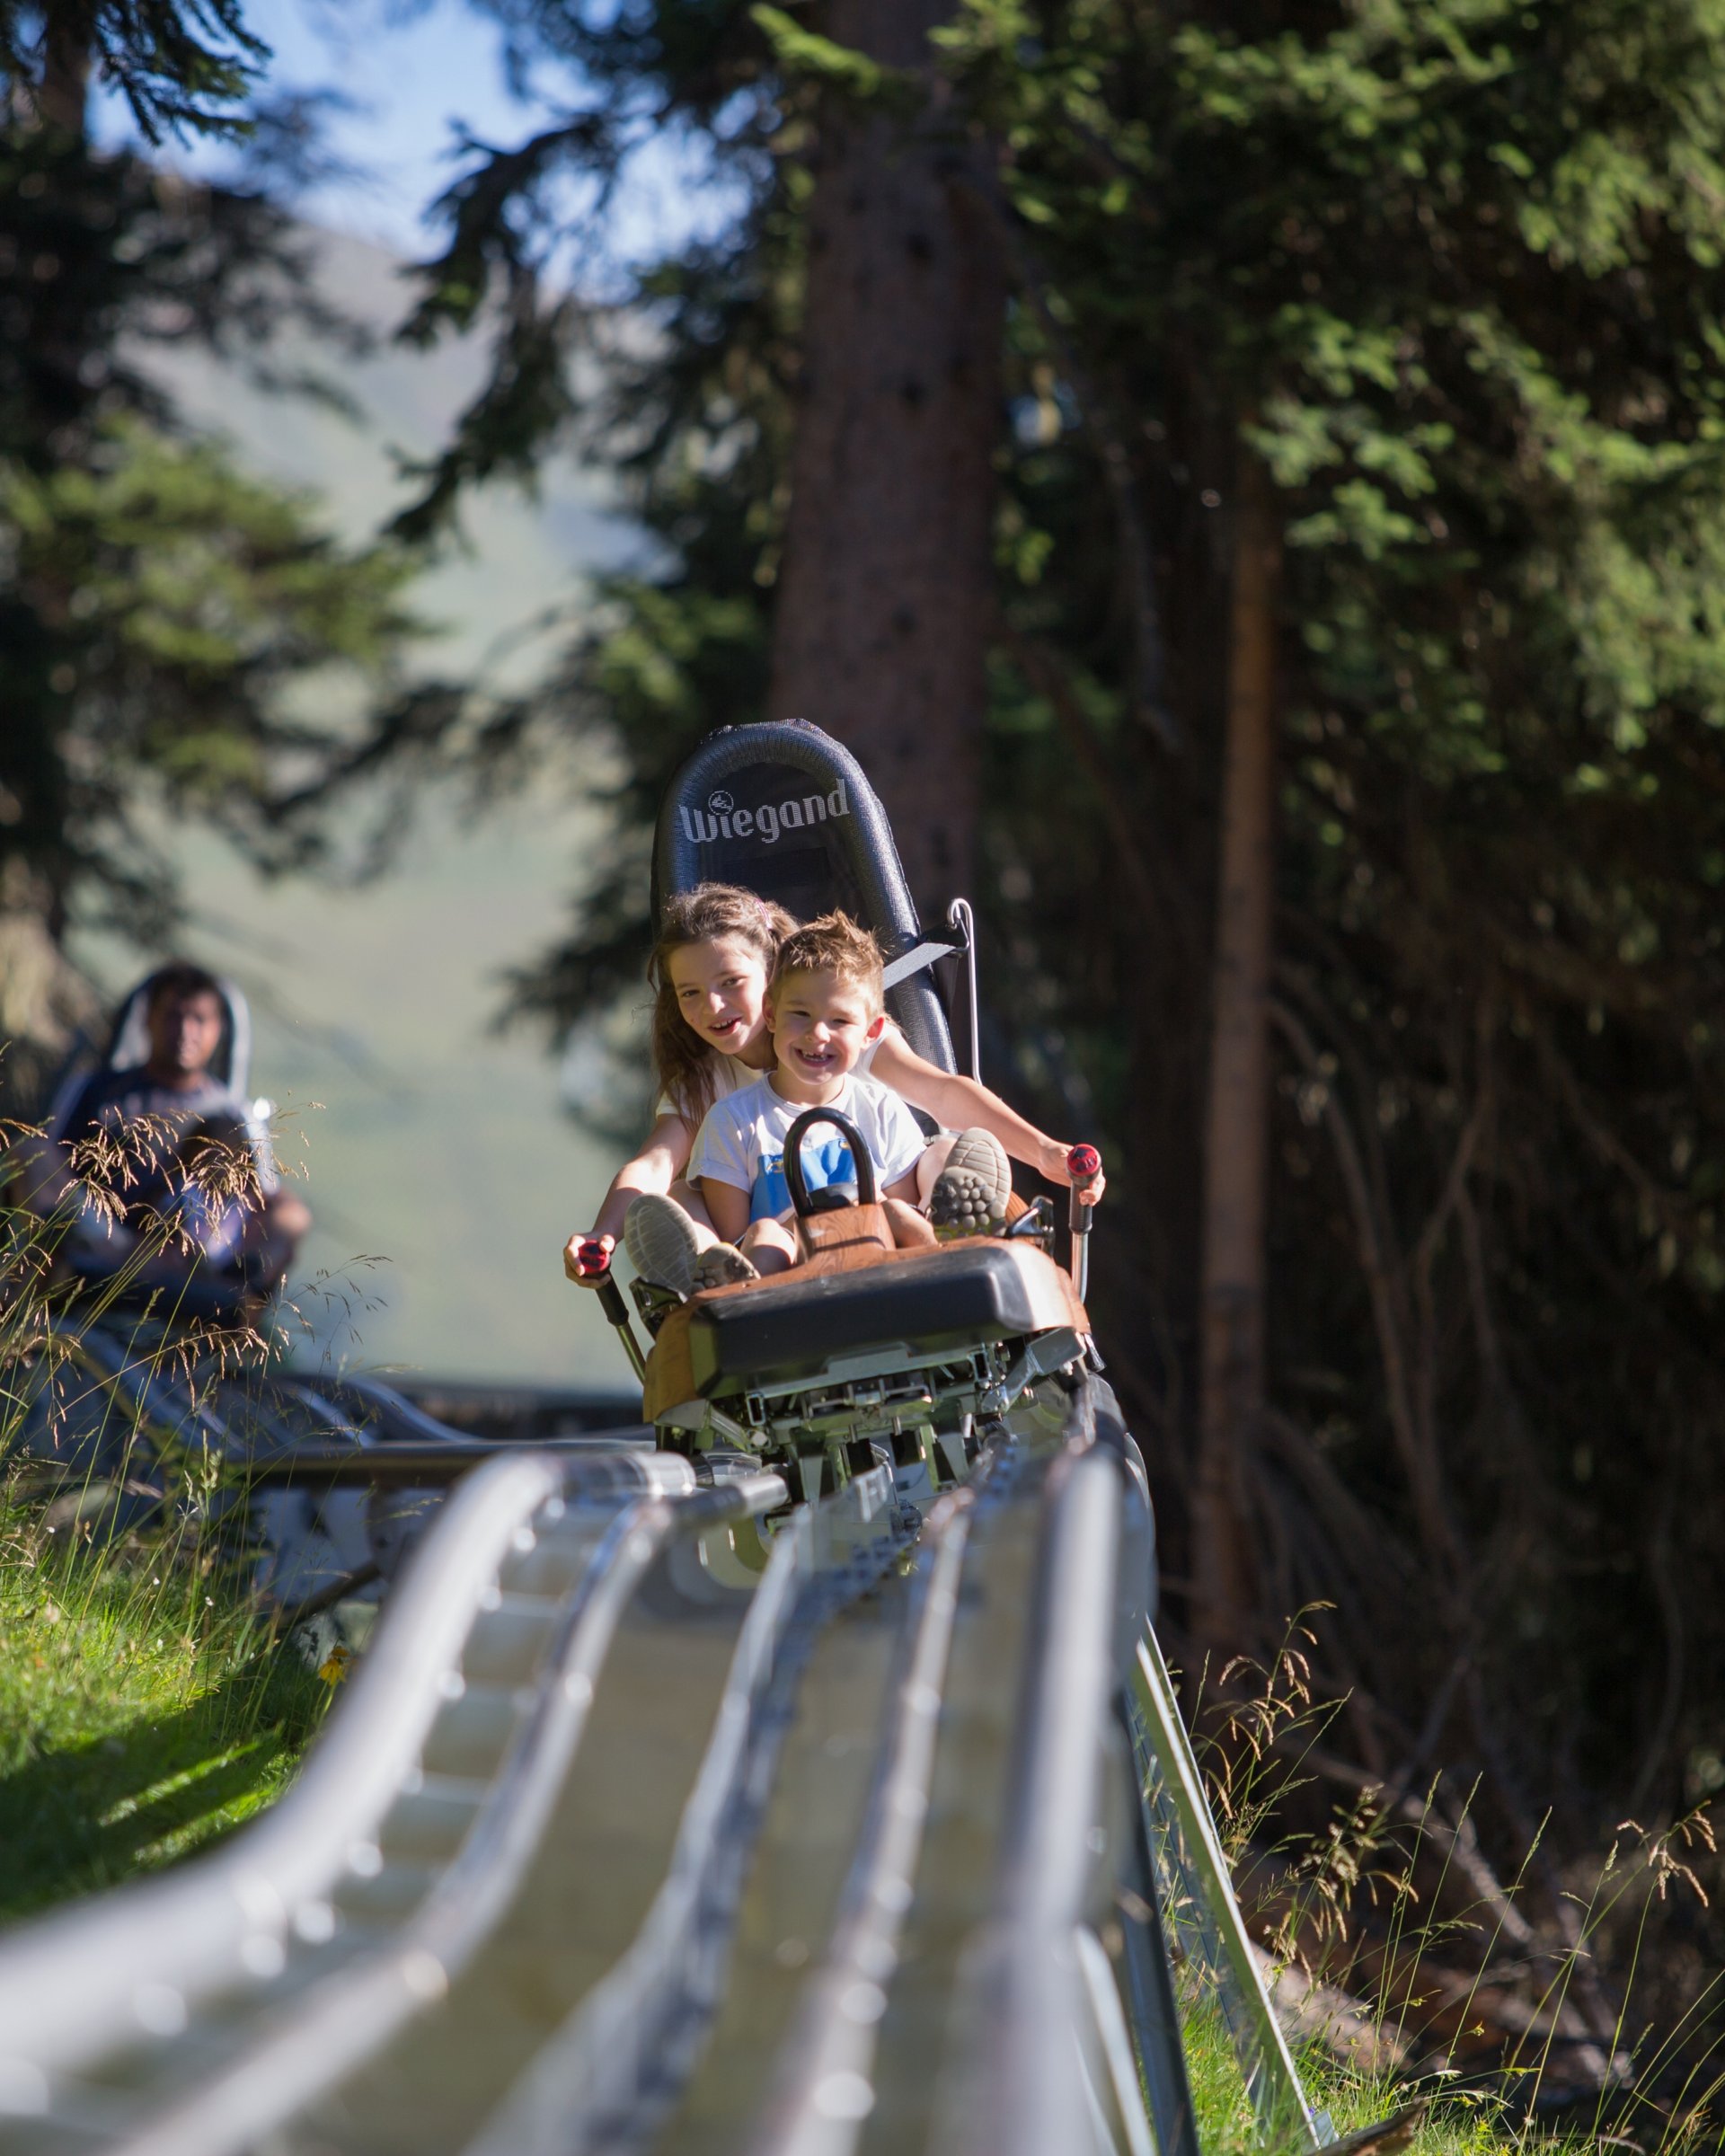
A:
821	1023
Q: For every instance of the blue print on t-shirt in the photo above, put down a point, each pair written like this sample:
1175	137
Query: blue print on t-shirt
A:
824	1161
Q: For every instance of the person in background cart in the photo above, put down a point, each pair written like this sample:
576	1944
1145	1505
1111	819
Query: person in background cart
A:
161	1167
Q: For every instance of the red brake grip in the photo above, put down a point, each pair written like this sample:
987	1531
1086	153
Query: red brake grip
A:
592	1258
1083	1164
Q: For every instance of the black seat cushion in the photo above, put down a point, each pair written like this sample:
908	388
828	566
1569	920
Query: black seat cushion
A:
954	1298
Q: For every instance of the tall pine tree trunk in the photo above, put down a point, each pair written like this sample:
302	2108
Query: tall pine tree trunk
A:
881	620
63	95
1237	1120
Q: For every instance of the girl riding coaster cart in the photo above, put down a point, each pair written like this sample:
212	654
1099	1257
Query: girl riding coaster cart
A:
775	1367
824	1011
717	948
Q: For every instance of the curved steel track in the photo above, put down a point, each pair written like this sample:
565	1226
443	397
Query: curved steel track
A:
637	1830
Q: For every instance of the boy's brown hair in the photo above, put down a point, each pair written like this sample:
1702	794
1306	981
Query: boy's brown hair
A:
832	943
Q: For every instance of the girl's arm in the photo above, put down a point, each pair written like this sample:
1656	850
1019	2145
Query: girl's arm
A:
655	1167
961	1104
727	1207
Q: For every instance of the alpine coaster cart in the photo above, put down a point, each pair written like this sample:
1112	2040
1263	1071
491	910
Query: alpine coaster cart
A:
867	1353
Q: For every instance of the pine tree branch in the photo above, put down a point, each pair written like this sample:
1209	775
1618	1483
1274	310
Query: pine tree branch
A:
1137	551
1046	676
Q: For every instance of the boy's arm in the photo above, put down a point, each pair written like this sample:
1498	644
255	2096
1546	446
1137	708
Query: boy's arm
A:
719	1167
961	1104
654	1168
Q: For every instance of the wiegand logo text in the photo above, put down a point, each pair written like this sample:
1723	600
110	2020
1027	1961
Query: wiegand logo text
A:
722	818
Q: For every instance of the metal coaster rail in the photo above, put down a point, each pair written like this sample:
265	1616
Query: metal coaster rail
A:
494	1826
281	1993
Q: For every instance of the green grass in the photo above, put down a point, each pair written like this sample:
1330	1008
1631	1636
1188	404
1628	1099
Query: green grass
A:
1324	1886
145	1710
146	1706
1226	2124
1454	2126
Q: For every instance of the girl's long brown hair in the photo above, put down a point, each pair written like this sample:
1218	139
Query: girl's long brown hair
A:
683	1063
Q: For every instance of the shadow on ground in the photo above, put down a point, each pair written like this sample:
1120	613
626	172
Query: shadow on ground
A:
90	1815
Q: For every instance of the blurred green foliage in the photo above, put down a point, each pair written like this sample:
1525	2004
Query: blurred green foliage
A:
183	66
176	636
156	602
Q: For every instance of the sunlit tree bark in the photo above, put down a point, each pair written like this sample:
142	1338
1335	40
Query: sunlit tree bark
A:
886	588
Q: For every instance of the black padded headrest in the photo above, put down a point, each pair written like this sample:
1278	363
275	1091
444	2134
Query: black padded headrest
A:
784	810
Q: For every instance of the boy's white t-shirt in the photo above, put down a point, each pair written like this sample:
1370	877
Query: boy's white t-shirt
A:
733	1075
742	1141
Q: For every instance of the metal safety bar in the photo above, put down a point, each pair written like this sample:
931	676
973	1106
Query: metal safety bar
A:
1193	1864
959	916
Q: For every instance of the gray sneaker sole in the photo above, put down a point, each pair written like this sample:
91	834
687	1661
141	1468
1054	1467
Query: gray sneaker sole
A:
970	1192
661	1243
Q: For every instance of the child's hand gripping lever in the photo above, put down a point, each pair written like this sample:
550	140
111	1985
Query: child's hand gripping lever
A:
589	1262
1083	1165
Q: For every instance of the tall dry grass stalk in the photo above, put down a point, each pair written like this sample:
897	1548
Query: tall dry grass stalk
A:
1410	1966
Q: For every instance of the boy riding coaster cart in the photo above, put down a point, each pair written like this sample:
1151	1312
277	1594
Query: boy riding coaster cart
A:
866	1350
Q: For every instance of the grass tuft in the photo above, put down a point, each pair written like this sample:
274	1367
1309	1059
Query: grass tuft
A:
1421	1976
149	1705
147	1708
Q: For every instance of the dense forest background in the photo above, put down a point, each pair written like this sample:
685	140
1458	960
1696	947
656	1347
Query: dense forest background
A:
1246	479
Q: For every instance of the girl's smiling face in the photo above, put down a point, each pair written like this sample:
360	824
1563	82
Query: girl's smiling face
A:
720	990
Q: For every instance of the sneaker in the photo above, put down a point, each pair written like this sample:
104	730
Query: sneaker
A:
662	1242
721	1264
970	1192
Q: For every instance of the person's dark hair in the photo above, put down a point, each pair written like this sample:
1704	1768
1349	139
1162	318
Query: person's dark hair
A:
180	979
683	1063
